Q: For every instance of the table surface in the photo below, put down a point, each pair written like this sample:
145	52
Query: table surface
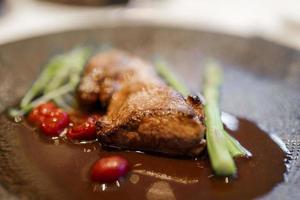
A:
275	20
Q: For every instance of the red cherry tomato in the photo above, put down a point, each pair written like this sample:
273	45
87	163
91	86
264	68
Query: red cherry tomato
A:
85	130
55	122
38	114
109	169
46	108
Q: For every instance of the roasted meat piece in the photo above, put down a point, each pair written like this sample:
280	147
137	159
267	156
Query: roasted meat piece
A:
107	72
143	113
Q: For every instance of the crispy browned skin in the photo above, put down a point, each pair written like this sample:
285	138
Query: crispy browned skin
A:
143	112
107	72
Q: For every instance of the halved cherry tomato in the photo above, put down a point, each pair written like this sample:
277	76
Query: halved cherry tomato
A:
85	130
109	169
55	122
38	114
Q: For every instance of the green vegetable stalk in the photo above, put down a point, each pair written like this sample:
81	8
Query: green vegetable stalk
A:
59	78
235	148
222	147
220	157
170	77
42	81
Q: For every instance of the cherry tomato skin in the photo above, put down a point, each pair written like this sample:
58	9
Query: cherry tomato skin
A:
46	108
109	169
34	117
55	123
38	114
84	131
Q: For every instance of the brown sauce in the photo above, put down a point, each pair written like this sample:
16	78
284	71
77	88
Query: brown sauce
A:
155	177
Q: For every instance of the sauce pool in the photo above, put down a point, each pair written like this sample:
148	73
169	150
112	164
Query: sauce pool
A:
68	165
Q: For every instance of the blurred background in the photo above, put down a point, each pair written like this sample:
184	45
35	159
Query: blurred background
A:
275	20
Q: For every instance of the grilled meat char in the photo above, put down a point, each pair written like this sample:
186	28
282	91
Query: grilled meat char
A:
143	113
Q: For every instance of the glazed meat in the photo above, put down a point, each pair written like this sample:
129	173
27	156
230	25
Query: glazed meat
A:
143	113
107	72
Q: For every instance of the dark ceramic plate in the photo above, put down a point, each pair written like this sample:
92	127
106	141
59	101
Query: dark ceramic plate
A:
262	84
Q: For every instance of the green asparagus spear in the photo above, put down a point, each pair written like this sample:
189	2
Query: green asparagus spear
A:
72	65
59	78
220	157
40	84
218	136
235	148
170	77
